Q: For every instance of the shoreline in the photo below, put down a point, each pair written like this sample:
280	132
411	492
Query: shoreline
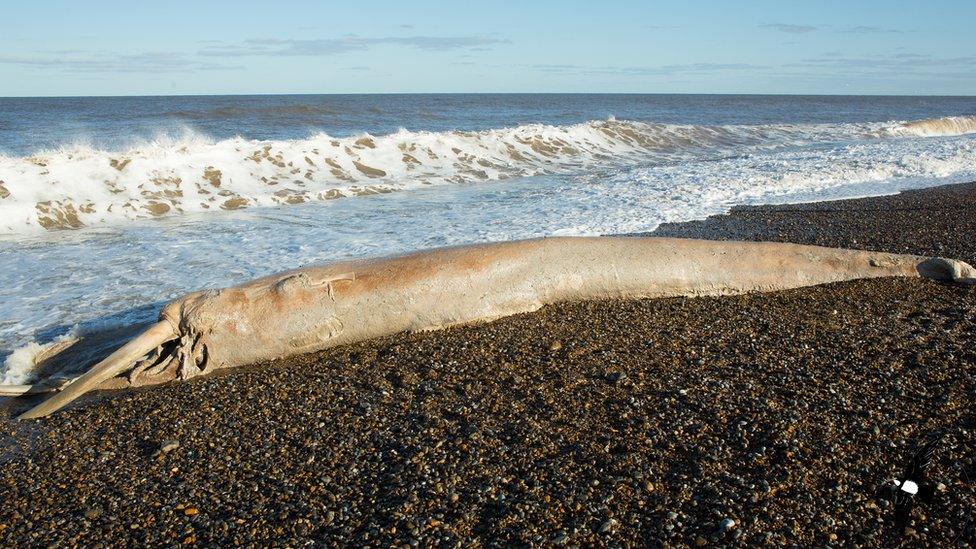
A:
639	422
853	223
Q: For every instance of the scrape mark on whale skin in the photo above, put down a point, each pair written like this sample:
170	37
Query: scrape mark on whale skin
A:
316	337
288	285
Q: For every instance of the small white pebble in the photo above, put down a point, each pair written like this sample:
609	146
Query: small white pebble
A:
910	487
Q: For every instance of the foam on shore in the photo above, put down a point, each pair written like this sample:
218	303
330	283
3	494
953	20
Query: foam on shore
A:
119	275
80	186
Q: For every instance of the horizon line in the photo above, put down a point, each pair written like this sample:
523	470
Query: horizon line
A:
306	94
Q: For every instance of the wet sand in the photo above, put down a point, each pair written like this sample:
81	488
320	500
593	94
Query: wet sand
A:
629	423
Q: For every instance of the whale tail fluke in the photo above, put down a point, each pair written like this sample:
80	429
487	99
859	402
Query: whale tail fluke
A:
947	270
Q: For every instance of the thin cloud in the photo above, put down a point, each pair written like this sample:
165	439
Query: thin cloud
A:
788	28
333	46
106	62
712	67
870	30
829	65
688	68
882	65
61	52
437	43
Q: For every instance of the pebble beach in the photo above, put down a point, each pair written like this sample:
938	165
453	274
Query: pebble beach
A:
773	419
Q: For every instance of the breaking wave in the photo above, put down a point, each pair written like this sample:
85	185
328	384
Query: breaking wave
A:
81	186
19	367
936	127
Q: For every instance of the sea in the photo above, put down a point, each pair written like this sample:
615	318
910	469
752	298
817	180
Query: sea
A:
111	206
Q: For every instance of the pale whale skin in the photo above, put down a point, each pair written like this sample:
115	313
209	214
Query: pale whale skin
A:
315	308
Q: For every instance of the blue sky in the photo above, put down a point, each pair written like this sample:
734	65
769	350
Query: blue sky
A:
209	47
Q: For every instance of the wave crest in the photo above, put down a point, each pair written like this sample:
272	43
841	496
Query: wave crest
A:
80	186
937	127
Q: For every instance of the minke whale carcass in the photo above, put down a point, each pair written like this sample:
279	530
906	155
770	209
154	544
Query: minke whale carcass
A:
315	308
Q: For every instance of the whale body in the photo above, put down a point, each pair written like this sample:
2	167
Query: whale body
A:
315	308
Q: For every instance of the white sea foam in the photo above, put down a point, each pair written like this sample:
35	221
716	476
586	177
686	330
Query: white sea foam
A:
95	278
19	364
18	368
80	186
936	127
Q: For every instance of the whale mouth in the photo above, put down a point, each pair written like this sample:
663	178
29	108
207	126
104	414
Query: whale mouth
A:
122	360
180	358
53	364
